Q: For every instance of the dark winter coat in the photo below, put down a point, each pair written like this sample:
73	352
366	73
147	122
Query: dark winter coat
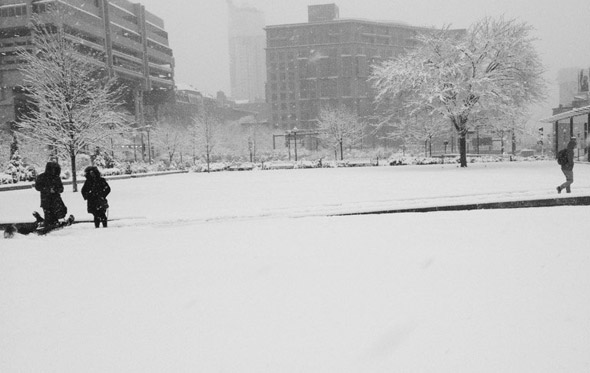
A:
95	190
50	185
569	165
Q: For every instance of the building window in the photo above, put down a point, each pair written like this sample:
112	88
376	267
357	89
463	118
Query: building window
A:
328	67
328	88
347	66
13	11
346	84
362	67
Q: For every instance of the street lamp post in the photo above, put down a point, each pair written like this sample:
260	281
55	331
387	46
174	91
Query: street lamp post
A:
295	136
134	149
148	127
142	147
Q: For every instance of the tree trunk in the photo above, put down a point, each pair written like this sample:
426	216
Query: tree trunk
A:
13	146
341	151
208	160
74	176
463	149
460	125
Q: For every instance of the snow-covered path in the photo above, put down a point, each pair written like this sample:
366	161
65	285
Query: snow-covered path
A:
243	272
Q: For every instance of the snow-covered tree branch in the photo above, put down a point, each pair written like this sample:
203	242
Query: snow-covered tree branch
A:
339	127
204	133
493	66
171	137
73	104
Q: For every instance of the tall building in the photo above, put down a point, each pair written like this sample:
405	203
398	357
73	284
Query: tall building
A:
326	61
569	85
572	117
246	53
130	42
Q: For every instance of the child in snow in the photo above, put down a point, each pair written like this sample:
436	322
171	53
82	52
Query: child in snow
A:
95	191
50	185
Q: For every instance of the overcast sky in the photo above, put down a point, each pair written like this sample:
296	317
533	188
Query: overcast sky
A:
198	29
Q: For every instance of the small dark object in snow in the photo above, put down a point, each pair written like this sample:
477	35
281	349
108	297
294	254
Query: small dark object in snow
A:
10	231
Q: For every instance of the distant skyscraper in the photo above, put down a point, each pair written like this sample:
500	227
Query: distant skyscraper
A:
247	42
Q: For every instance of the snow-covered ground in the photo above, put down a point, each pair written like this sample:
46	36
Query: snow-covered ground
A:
249	272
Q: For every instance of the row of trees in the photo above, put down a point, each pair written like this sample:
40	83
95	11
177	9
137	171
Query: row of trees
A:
206	136
74	107
483	78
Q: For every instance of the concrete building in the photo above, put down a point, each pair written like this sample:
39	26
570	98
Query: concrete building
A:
572	118
326	61
246	53
130	42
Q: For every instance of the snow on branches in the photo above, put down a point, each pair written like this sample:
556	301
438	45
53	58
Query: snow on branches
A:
339	127
73	104
491	68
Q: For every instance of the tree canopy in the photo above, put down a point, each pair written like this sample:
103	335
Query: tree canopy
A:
73	104
492	67
339	127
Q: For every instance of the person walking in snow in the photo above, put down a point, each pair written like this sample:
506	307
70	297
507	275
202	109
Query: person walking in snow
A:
95	191
568	167
50	185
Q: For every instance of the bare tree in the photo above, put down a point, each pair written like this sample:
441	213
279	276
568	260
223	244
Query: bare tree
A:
492	66
339	127
429	127
205	134
170	137
73	105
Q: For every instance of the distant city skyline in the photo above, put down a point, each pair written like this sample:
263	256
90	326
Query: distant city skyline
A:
198	30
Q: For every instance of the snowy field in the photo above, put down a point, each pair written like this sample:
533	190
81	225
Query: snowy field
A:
249	272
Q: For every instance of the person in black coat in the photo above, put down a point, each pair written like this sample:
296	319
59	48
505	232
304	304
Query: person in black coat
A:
95	191
50	185
568	167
